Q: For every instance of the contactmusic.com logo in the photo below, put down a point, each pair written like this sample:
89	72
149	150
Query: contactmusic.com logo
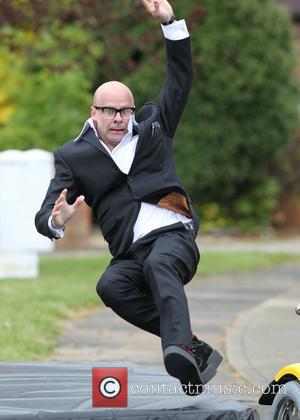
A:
110	387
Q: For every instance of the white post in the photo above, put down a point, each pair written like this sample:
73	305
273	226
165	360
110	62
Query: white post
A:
24	178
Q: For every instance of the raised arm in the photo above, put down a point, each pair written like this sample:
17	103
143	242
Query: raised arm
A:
179	74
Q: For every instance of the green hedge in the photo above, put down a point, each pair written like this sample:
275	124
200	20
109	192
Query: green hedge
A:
241	112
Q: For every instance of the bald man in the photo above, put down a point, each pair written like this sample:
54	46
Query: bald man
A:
116	95
122	166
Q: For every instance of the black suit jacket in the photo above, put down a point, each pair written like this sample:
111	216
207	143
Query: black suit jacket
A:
84	166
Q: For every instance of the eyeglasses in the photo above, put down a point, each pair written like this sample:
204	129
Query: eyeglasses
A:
109	112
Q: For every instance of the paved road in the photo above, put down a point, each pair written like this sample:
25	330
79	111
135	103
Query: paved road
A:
249	318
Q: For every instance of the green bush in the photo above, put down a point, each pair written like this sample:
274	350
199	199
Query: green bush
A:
240	114
52	92
242	108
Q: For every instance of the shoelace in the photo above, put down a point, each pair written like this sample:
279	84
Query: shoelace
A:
195	346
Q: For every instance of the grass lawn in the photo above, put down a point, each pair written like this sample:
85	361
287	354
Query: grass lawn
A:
228	262
32	311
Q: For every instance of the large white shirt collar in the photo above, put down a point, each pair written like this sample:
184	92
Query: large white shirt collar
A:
90	123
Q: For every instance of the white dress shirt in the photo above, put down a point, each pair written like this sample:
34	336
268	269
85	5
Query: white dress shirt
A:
150	216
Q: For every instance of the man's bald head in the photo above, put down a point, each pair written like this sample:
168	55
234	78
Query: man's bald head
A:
114	94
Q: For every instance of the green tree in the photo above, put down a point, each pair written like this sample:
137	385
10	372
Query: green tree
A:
241	111
48	87
242	108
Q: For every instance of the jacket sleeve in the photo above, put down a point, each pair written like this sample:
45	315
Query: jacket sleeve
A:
63	178
177	84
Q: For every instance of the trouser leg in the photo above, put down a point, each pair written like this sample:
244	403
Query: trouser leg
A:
120	288
147	289
171	263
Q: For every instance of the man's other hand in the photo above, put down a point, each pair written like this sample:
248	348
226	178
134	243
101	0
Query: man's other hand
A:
159	8
62	211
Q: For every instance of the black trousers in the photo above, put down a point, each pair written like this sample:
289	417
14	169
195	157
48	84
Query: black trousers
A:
146	286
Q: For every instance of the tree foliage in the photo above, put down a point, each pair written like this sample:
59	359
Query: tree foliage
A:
246	106
242	108
51	91
241	112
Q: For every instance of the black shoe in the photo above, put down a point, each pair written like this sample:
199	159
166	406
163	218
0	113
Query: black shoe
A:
207	359
194	364
181	363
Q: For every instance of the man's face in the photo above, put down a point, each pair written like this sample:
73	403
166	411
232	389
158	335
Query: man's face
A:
111	128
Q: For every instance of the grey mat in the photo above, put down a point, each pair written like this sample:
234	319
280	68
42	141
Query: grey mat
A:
63	391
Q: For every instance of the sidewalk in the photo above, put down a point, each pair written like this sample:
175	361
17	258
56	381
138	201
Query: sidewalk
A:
249	318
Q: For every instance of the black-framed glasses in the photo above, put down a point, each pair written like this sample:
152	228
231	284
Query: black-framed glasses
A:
110	112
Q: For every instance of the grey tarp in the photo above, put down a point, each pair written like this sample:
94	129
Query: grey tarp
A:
64	391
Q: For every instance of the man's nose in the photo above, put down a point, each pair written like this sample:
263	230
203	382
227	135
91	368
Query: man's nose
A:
118	116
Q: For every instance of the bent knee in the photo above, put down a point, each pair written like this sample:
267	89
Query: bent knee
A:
159	268
105	290
152	263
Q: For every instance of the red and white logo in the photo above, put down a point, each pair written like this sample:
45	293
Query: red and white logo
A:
110	387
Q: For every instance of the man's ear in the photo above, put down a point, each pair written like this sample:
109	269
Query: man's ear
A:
93	112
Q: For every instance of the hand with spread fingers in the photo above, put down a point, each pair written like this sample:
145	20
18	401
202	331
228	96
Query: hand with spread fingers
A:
159	8
62	211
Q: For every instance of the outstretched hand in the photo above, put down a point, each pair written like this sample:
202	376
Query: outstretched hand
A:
62	211
159	8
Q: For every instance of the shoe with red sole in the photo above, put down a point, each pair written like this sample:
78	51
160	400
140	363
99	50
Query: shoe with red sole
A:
194	364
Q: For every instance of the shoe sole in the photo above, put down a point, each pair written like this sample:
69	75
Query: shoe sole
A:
183	366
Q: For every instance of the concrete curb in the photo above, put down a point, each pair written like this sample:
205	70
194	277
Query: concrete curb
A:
263	339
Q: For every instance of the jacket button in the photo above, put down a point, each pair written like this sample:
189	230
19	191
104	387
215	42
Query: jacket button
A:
130	178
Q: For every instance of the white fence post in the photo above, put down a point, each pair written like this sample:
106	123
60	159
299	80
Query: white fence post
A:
24	178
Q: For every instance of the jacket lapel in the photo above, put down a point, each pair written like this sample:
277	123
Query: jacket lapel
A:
139	130
89	137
